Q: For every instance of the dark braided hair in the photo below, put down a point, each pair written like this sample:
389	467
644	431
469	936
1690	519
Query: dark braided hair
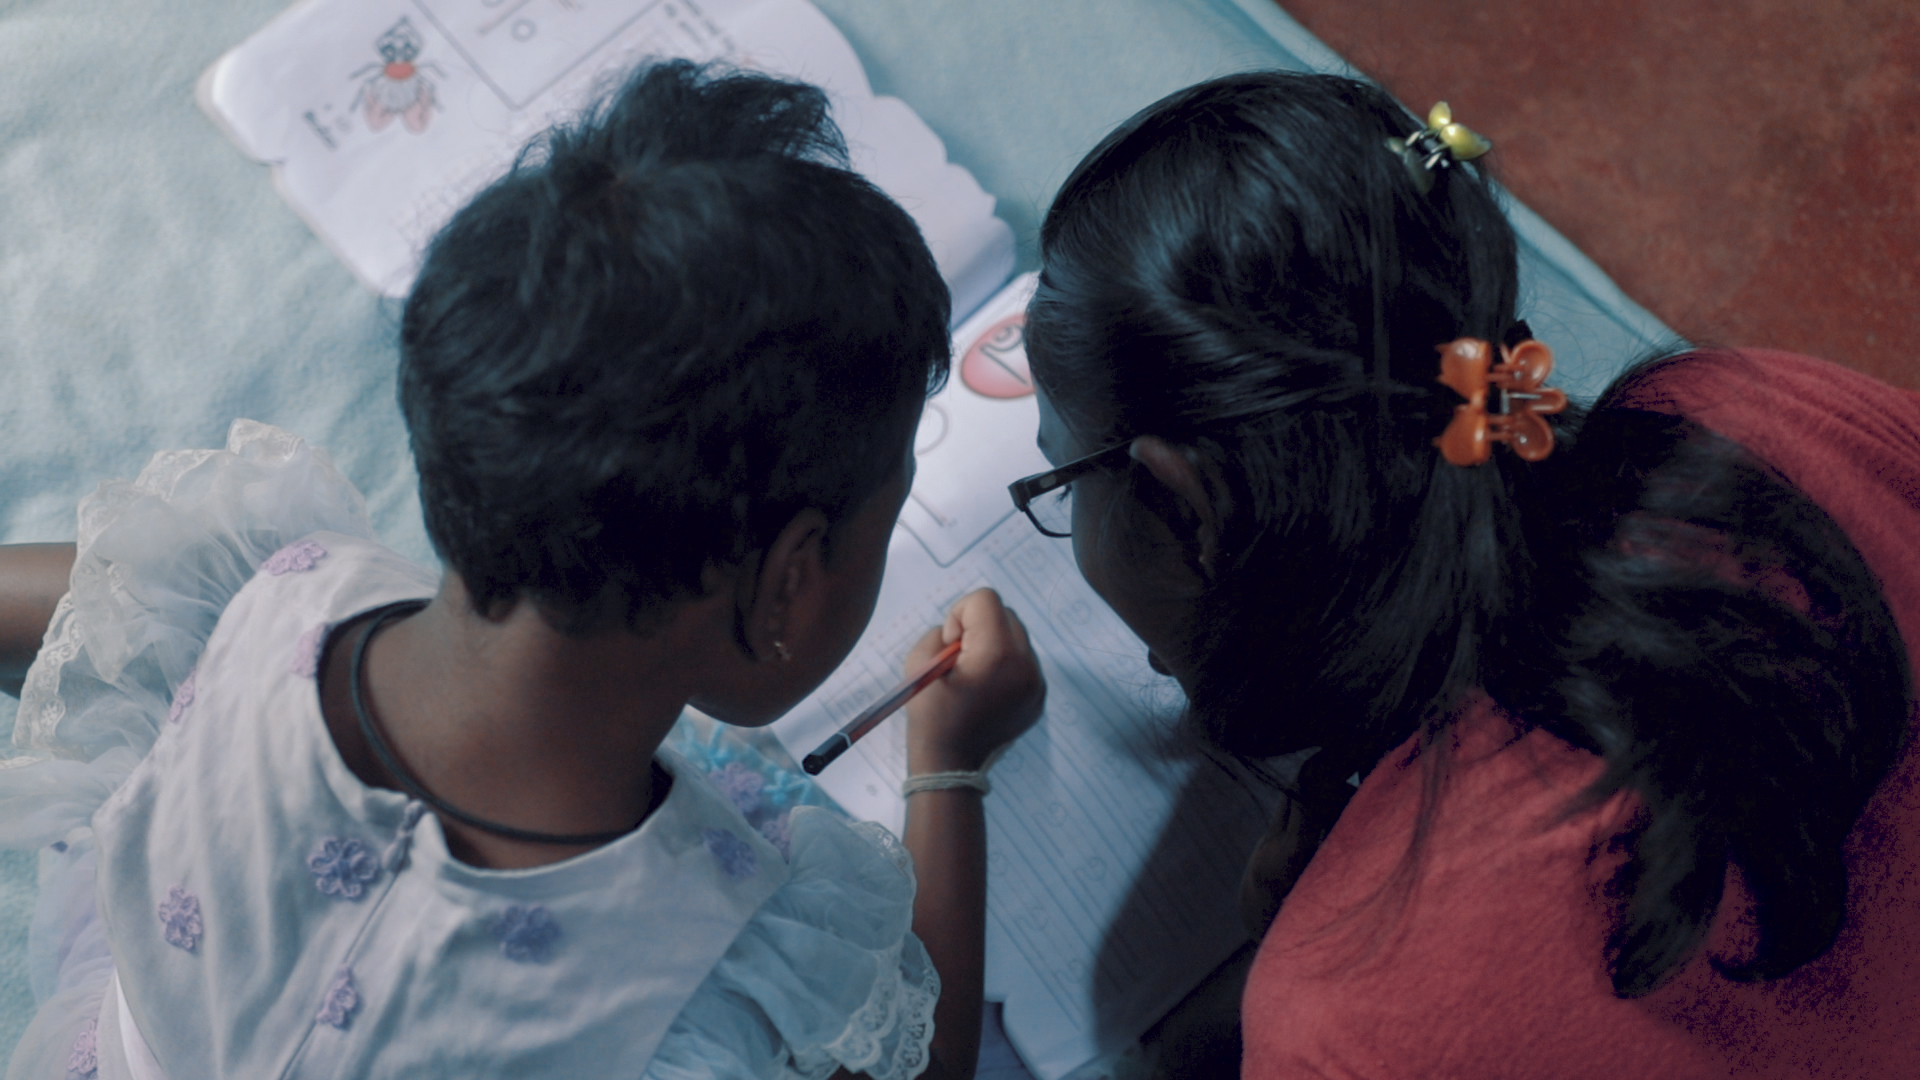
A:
1244	269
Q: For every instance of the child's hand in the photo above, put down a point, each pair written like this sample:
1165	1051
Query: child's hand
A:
992	695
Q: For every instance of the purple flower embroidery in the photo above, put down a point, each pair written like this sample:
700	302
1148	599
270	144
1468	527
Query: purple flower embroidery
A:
306	652
740	784
526	933
296	557
342	867
779	832
336	1009
180	916
84	1059
182	698
735	855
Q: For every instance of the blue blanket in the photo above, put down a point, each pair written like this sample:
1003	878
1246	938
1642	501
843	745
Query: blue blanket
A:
153	286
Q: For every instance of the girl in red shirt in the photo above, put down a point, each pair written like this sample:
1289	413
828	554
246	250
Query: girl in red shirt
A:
1623	691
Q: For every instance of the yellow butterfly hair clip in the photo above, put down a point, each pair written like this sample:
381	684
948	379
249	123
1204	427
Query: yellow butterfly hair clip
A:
1437	146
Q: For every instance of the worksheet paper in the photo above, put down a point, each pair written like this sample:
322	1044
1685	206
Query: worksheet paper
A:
1115	850
382	117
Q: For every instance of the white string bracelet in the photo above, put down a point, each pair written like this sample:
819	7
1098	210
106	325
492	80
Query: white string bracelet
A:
943	781
957	778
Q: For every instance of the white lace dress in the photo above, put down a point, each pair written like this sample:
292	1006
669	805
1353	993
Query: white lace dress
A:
220	897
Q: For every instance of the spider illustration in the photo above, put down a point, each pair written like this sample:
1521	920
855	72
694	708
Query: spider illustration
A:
397	86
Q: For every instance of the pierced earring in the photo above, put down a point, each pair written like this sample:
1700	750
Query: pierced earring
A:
780	650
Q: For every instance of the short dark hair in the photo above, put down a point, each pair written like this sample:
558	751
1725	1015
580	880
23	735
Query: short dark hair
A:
671	326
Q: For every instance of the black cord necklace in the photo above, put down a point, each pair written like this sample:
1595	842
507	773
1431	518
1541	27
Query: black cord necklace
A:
406	780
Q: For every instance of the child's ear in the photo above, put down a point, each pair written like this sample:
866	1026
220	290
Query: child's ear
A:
1198	490
777	594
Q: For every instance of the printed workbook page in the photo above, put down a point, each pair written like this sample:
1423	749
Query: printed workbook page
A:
1114	850
383	117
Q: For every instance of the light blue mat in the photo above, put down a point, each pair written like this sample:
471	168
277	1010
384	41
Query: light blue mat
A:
153	286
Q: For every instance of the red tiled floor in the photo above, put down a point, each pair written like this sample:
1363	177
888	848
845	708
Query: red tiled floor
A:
1748	169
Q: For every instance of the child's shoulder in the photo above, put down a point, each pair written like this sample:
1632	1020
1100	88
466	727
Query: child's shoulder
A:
158	560
825	975
276	624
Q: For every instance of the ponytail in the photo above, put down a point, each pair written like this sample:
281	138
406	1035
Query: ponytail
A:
1715	636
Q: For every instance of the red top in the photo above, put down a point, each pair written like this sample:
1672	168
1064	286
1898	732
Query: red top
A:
1483	959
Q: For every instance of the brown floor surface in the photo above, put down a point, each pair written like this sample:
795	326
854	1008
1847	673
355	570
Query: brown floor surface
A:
1747	169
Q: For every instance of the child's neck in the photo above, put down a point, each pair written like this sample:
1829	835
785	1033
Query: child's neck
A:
511	722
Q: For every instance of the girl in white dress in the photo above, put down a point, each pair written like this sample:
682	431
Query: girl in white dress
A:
307	809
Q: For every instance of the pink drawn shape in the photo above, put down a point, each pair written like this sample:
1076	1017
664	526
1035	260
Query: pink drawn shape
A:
420	111
377	115
995	365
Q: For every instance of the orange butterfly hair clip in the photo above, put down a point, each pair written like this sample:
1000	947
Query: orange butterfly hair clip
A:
1506	402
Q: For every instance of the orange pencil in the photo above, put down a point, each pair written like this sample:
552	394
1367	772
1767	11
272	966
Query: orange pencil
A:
870	718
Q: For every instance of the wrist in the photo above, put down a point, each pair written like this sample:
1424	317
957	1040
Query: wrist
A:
925	779
943	759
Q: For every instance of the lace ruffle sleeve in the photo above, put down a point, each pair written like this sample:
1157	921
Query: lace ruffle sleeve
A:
157	560
826	976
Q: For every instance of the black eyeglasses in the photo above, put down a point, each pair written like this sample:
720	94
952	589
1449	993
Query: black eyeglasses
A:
1047	498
